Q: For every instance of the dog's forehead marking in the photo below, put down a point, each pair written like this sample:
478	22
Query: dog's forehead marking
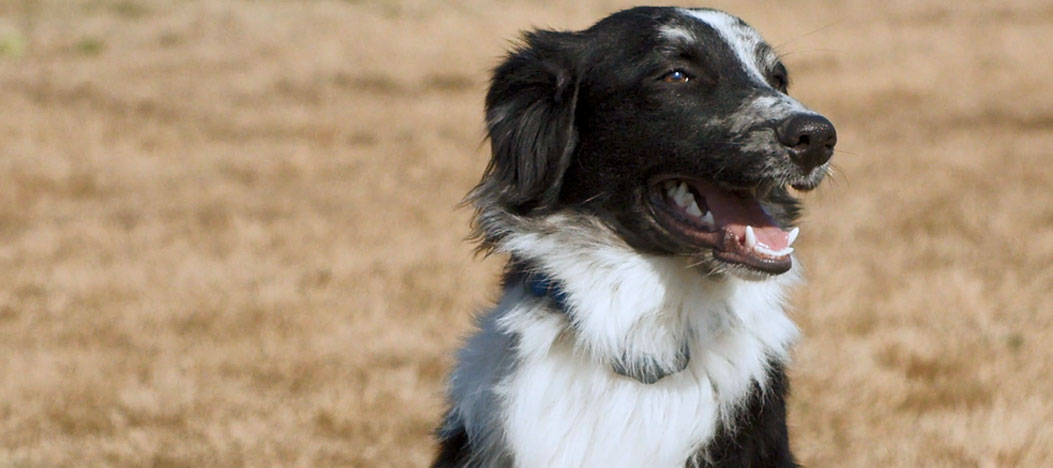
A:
742	39
753	53
676	34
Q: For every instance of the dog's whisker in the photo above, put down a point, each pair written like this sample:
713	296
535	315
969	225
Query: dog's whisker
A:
593	198
809	33
791	53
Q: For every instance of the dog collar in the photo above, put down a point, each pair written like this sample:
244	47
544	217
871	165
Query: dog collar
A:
646	371
540	285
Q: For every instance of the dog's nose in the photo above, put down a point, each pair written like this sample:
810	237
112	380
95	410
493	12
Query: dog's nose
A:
810	138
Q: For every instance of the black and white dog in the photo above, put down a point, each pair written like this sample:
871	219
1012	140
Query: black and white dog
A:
640	184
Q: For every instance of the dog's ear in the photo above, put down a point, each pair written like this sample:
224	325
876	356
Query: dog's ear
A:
530	121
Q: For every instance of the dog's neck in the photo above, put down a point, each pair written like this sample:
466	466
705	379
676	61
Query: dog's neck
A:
643	315
691	351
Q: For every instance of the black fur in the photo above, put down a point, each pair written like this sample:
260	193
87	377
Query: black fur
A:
759	438
587	122
583	120
530	116
454	447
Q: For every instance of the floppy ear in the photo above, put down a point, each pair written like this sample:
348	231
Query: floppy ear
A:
530	119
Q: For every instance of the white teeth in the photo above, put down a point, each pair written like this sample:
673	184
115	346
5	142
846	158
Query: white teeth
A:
692	209
672	191
793	236
708	219
760	248
752	244
751	238
683	195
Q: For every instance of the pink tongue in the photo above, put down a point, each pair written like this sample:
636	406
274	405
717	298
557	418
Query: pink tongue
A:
734	213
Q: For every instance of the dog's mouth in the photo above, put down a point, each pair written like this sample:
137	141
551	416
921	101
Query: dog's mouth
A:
732	223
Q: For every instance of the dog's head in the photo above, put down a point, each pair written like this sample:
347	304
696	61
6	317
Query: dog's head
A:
673	127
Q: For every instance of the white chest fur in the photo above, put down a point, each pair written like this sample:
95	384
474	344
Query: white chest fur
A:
563	406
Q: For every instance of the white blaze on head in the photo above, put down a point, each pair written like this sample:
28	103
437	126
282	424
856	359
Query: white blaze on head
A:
746	42
676	34
742	39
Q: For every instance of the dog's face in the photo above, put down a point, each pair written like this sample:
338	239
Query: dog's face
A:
672	126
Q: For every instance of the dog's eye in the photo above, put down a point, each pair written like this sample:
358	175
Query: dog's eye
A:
676	76
779	79
780	82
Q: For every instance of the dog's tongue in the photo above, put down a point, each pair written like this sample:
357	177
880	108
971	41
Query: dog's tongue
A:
734	213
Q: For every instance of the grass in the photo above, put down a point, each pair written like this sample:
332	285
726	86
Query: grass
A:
90	46
230	238
12	45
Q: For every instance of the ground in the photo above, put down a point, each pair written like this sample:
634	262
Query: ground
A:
229	232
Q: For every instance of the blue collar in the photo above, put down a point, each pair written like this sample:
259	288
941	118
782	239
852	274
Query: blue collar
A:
540	285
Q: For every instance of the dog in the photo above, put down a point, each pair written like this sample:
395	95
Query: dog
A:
642	184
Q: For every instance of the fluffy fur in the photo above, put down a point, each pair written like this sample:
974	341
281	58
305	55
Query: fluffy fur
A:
664	349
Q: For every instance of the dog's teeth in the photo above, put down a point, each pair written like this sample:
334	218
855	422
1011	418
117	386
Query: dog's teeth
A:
751	238
673	195
683	197
793	236
760	248
692	208
708	219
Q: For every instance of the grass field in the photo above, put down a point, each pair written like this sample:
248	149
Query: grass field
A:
229	234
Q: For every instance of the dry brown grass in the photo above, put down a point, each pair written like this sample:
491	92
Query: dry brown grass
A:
228	235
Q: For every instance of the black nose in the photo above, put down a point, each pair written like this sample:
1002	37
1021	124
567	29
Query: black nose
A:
811	139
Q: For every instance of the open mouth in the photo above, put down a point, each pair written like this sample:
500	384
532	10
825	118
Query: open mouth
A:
734	224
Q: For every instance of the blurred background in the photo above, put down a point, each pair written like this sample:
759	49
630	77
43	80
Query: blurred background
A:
229	234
